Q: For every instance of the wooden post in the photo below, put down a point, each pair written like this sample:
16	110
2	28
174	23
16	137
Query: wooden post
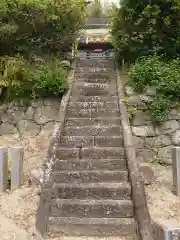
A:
17	157
176	170
3	168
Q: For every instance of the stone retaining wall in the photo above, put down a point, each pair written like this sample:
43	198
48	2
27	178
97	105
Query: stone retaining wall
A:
152	143
28	119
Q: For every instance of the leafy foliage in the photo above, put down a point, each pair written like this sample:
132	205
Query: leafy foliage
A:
142	28
23	80
147	34
30	32
165	76
39	26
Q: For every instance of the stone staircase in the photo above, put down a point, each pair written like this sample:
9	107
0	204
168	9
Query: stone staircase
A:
90	188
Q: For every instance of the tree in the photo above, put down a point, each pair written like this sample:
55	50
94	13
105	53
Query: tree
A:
146	27
39	25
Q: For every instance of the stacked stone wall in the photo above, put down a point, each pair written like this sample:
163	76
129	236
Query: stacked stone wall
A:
28	119
152	142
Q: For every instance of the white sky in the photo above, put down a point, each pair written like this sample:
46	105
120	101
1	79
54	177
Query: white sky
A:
109	2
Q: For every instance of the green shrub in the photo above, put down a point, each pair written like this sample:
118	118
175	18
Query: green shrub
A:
46	26
165	76
159	109
50	80
24	80
145	72
142	28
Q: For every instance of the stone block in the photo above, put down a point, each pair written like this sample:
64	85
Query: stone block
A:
147	173
29	113
111	130
151	91
129	91
145	155
92	113
176	138
138	142
165	155
92	208
7	128
174	114
141	118
28	128
158	142
167	127
45	114
89	164
146	99
90	176
36	175
114	191
143	131
91	153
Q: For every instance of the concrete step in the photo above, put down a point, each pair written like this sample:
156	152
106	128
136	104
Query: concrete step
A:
81	98
92	112
94	69
81	75
91	153
102	76
93	80
92	105
134	237
90	176
93	226
89	164
105	190
95	62
96	66
92	208
83	122
89	141
94	89
111	130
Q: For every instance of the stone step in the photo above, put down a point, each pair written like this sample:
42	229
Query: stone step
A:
93	80
94	69
89	164
105	190
91	153
81	75
95	62
90	176
92	226
81	98
89	141
102	76
92	208
96	105
95	65
95	86
134	237
92	112
83	122
87	90
111	130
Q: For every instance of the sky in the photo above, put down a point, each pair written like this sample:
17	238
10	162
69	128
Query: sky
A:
109	2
